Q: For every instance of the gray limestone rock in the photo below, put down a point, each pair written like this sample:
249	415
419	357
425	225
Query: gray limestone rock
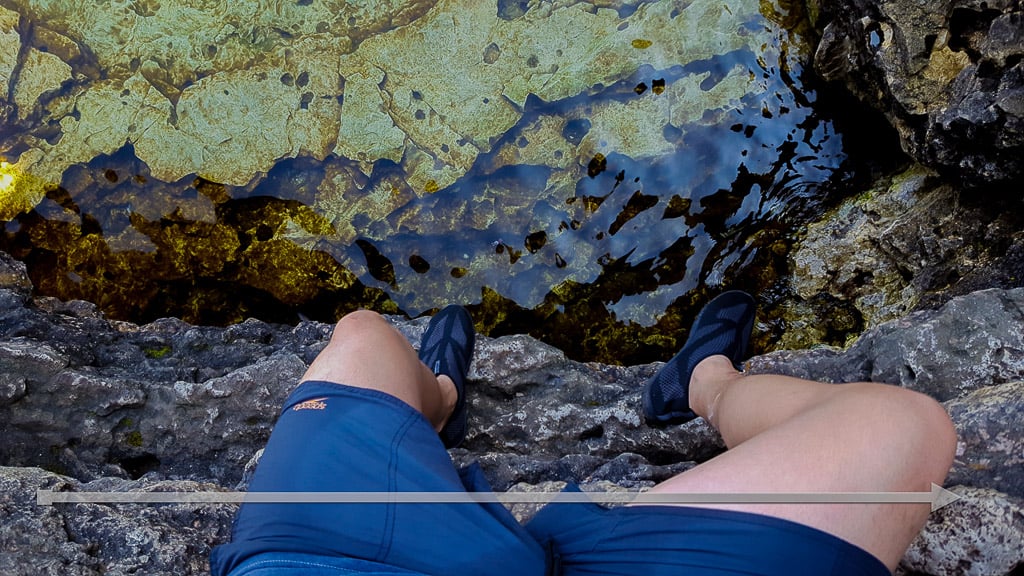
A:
169	406
989	452
92	539
537	402
969	343
982	534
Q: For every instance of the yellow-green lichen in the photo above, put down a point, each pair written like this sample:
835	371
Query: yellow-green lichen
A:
157	352
134	439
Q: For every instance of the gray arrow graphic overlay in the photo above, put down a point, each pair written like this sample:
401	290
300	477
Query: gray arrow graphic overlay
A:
937	497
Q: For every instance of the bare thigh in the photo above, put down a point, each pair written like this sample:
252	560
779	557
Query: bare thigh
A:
874	439
366	351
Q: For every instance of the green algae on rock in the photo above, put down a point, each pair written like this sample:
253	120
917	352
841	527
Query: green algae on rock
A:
198	89
910	242
314	158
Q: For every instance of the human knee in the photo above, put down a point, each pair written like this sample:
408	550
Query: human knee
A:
360	319
917	421
363	329
928	415
937	426
361	322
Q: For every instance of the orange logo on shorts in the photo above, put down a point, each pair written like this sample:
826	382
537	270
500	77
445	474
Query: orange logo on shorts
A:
314	404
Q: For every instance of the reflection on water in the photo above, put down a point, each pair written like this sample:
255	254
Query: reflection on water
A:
599	222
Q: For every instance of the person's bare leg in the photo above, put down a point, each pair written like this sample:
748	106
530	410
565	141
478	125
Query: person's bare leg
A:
367	352
792	435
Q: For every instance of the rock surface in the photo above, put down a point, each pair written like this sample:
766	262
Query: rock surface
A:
227	91
969	343
982	534
912	241
168	406
212	163
91	539
947	74
986	454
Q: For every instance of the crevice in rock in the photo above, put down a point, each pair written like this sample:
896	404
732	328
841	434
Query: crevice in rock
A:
907	375
137	466
25	32
967	29
592	432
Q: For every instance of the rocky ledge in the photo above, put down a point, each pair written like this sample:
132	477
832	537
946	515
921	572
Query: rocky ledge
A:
947	74
92	404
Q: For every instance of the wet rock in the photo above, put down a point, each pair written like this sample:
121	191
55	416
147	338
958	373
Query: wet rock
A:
179	82
367	133
948	75
910	242
638	128
981	534
41	72
10	46
971	342
635	127
172	90
14	279
353	203
842	255
492	65
241	122
225	94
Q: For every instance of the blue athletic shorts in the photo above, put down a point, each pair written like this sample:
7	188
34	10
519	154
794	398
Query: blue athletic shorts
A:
344	439
589	539
332	437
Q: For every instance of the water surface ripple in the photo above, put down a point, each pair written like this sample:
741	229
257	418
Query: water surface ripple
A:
599	218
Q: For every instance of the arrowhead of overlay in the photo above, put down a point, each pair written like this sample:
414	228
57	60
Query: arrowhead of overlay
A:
942	497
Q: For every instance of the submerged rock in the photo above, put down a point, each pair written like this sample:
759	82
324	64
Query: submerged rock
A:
226	92
555	164
10	45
